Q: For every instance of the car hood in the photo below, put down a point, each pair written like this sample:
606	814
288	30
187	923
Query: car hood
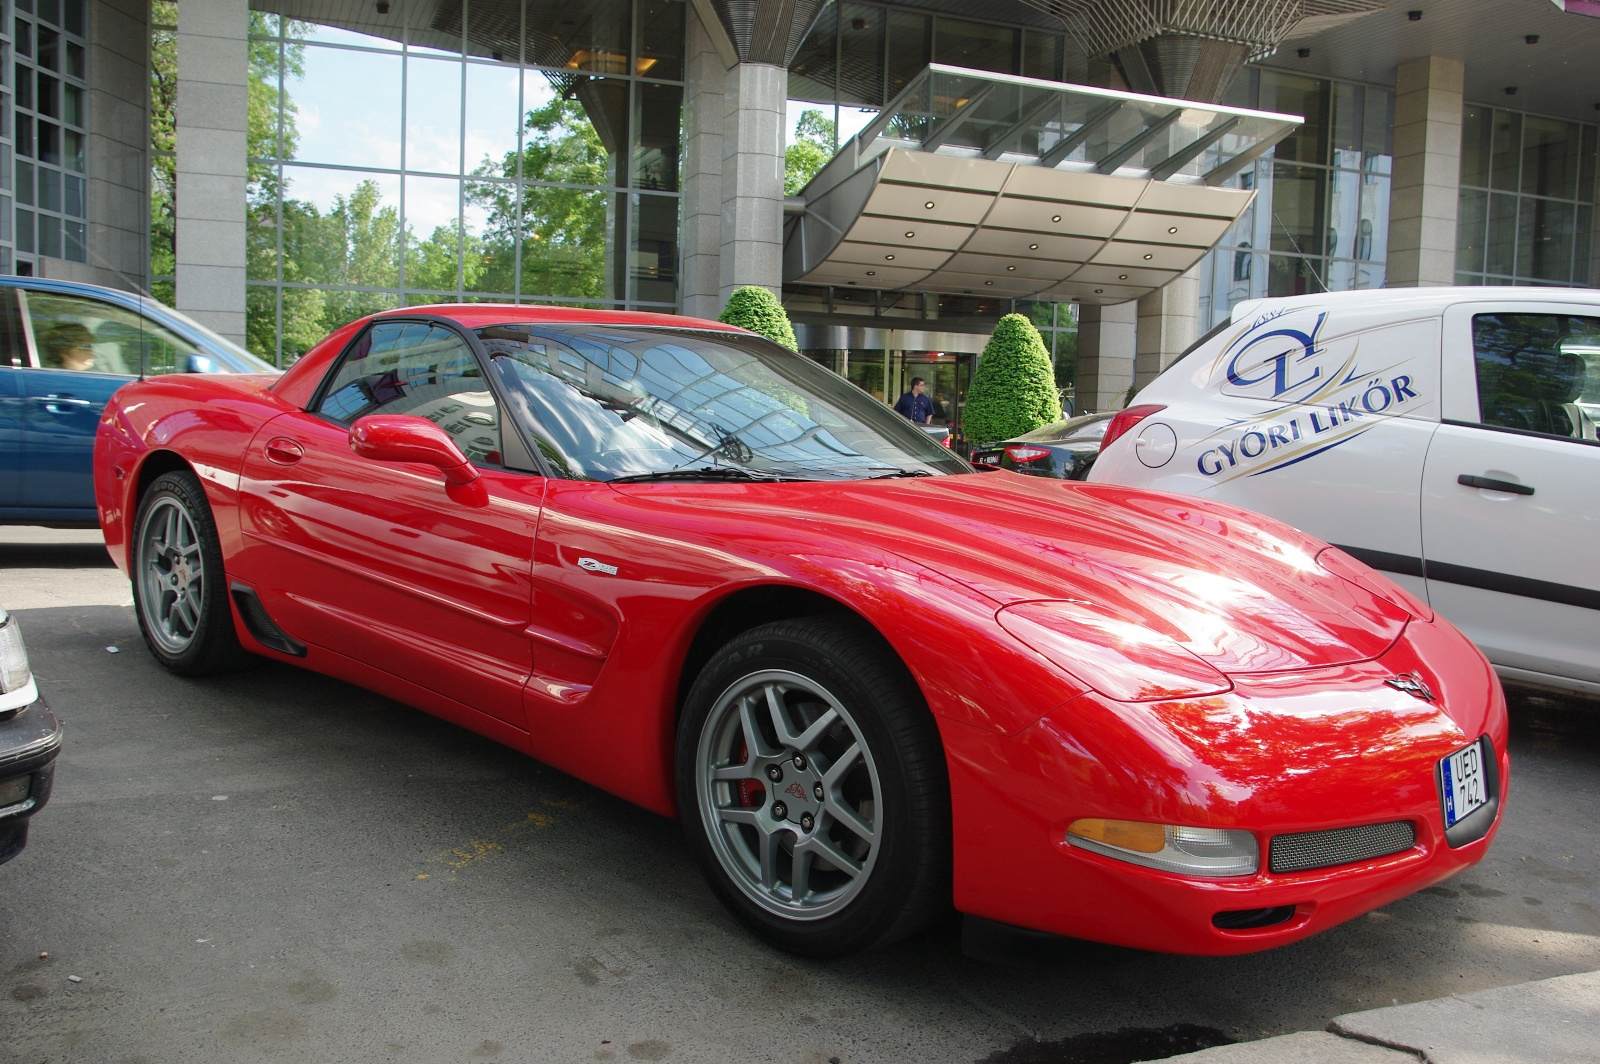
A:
1242	592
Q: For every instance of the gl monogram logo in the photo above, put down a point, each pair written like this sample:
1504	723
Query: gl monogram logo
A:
1411	684
796	791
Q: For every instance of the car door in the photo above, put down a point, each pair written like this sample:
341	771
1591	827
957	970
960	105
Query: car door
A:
13	357
1511	487
376	560
81	350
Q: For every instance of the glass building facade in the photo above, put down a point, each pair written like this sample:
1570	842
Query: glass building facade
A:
47	130
497	150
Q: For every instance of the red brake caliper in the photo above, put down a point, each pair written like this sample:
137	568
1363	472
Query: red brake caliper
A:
751	793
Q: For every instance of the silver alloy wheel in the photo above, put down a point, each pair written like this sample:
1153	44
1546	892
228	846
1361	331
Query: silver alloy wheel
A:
171	575
789	795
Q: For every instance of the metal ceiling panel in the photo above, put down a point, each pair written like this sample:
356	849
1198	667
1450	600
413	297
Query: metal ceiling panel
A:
1173	229
873	230
1033	245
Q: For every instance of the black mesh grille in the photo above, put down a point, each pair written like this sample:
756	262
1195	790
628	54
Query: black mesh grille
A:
1322	849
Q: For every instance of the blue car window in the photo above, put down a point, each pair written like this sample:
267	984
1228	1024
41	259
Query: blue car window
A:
86	335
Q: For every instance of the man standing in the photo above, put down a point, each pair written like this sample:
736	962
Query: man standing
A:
914	406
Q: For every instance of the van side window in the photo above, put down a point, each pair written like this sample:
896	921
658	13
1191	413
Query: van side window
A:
1538	373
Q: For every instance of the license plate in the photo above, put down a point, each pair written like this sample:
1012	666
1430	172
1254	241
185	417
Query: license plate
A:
1466	785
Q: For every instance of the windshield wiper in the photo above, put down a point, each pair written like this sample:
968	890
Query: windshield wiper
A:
711	473
900	473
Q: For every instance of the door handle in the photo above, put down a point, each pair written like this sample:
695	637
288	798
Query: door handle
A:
54	403
1491	484
284	451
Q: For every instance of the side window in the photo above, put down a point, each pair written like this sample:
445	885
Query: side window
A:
73	333
1538	372
407	367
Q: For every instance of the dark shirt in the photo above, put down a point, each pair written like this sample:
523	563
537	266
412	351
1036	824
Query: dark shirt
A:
917	408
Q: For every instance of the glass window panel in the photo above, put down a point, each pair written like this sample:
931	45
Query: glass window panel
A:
24	239
50	236
49	11
73	20
1529	376
659	50
910	47
433	115
48	97
1378	127
385	32
1291	275
655	249
24	82
1476	127
49	54
49	190
24	135
492	119
563	233
489	261
72	105
72	150
22	37
1583	271
433	237
861	41
494	28
1501	256
24	182
589	125
1544	240
1041	55
75	246
978	45
1307	97
811	75
591	37
1349	111
1550	158
261	321
1298	199
655	155
340	228
1586	166
347	108
261	233
1506	150
49	143
1472	229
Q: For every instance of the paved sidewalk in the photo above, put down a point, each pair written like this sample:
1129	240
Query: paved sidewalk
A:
1551	1021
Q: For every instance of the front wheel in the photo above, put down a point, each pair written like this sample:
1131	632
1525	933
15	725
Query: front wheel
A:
813	788
179	590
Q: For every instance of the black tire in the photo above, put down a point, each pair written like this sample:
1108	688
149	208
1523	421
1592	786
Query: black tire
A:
844	668
196	638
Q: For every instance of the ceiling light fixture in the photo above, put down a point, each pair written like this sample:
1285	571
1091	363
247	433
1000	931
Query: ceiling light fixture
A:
1303	53
1172	229
1010	267
872	273
1055	217
1122	277
888	258
1414	16
929	205
1532	38
909	234
1148	256
1035	247
1099	291
1511	90
988	282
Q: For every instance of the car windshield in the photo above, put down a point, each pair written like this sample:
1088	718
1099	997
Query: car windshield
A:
616	402
241	361
1083	427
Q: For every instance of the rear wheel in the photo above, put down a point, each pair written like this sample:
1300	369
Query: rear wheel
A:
812	786
179	590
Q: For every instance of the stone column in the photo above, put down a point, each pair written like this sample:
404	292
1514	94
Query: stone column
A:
704	112
1427	172
213	114
1106	349
1169	320
755	96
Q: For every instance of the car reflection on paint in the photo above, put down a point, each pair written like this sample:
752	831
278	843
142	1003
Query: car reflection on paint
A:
1064	449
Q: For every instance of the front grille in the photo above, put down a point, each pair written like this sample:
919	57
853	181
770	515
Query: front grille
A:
1306	850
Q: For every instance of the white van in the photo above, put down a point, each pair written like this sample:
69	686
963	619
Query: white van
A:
1443	435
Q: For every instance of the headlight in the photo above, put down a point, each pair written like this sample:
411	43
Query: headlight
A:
14	672
1170	847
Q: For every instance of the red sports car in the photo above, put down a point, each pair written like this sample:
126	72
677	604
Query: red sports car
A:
705	574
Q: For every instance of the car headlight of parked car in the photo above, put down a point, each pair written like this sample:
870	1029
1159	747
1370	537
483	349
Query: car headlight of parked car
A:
17	688
1170	847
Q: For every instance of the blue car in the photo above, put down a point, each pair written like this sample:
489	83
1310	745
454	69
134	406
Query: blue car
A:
64	348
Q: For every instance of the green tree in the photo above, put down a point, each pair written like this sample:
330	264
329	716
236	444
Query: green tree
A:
815	138
1013	390
753	307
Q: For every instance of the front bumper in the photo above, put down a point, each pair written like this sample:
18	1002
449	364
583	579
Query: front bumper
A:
1312	752
30	739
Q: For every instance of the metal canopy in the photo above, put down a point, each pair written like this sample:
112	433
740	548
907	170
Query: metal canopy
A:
990	184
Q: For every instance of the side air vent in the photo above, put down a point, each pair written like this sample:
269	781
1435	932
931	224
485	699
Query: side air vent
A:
261	625
1307	850
1250	919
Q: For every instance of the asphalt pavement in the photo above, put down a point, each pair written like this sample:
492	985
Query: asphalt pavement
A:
277	866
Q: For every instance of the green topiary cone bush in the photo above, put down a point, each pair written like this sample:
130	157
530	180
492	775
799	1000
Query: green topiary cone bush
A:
1014	389
753	307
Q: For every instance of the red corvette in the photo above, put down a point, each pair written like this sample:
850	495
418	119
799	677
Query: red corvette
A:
705	574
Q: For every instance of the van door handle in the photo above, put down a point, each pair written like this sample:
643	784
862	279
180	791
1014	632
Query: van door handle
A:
1491	484
284	451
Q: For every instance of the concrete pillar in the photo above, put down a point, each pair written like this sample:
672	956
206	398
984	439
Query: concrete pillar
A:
1427	172
1106	349
119	163
1169	321
704	112
755	96
213	113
